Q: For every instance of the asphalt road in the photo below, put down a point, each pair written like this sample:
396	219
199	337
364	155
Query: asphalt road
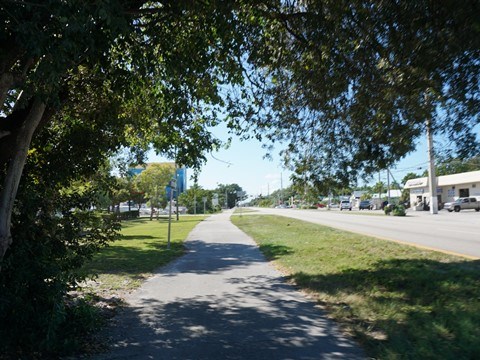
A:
457	233
223	300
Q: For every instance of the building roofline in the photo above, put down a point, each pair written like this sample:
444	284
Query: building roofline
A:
446	180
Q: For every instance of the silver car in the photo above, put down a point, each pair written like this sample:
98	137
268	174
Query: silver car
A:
345	204
463	204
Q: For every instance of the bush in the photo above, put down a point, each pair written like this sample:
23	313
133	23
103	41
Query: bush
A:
52	240
388	209
395	210
127	215
399	210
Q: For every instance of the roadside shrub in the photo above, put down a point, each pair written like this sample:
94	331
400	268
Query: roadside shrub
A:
127	215
395	210
388	209
53	238
398	210
265	203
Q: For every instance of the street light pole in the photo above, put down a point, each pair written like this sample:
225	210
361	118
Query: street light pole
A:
432	179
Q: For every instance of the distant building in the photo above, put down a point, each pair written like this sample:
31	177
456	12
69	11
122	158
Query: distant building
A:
392	194
133	171
357	194
449	187
356	197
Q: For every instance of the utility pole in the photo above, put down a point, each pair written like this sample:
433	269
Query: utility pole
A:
380	189
388	186
432	179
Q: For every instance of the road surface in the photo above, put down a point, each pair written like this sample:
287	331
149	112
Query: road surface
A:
457	233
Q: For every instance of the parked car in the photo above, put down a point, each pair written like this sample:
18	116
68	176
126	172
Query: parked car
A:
145	211
345	204
365	205
463	204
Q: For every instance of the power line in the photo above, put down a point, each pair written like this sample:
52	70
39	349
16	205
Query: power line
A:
222	161
413	167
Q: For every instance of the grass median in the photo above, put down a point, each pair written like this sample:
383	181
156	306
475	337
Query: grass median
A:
142	248
400	302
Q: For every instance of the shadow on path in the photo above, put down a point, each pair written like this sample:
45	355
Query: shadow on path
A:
222	300
223	326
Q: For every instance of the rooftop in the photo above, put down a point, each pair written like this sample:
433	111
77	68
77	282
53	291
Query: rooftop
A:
446	180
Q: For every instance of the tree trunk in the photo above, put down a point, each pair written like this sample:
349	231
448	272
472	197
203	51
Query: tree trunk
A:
14	172
151	210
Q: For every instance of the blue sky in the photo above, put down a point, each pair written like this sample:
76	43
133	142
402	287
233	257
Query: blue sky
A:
257	175
244	164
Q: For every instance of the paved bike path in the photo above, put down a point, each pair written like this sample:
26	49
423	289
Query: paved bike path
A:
223	300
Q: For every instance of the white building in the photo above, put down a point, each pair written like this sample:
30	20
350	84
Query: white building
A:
449	187
393	195
377	199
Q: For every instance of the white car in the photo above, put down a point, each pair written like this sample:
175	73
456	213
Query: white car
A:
345	204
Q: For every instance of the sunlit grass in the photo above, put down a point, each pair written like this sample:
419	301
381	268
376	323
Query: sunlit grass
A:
399	301
126	263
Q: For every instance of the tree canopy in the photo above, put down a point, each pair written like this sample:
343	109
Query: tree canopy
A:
345	85
90	77
349	85
79	80
193	198
228	195
153	181
449	165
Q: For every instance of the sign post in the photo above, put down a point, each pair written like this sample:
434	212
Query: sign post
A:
172	185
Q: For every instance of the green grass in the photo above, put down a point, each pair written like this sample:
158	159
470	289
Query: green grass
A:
126	263
400	302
